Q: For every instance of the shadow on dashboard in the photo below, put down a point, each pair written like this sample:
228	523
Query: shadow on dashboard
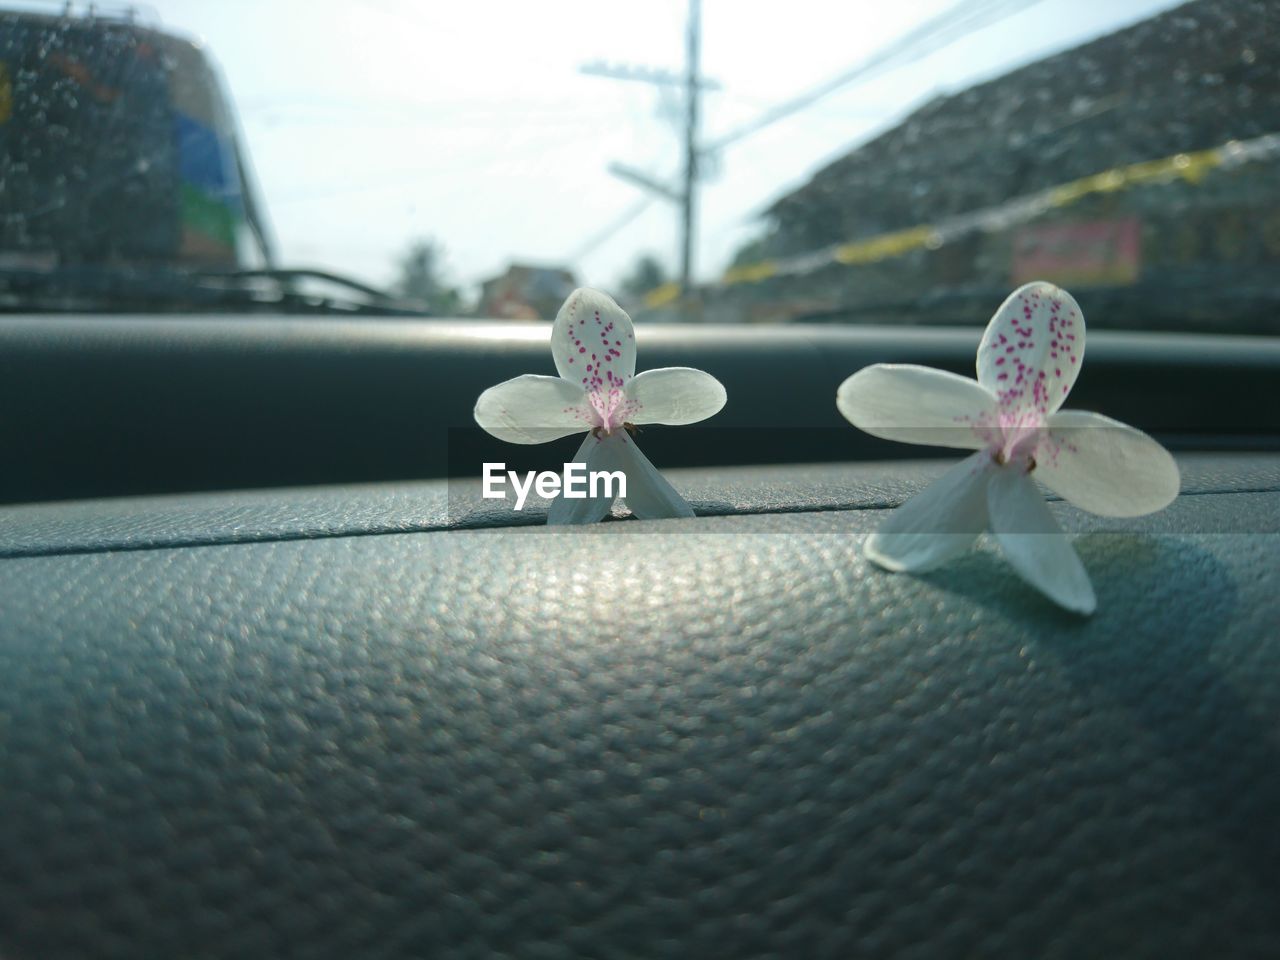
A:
1165	671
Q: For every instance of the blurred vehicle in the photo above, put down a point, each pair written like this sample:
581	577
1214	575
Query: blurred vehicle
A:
117	147
125	184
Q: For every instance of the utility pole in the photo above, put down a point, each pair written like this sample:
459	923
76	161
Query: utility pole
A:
685	196
965	17
689	199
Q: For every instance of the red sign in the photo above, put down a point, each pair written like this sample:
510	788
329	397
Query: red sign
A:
1096	253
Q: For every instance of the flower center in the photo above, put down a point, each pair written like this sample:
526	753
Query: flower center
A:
610	410
600	432
1015	437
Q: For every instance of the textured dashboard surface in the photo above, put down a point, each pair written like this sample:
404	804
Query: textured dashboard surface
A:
131	523
720	737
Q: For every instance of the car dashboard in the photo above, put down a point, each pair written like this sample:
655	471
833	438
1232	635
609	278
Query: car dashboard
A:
278	681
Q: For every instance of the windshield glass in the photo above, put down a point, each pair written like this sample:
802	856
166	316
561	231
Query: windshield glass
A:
703	160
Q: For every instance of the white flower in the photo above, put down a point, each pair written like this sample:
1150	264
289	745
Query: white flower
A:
1028	359
594	347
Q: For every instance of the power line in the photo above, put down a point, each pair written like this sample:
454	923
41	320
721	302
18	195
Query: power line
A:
956	22
605	233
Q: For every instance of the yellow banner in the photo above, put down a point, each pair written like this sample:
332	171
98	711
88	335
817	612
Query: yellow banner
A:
1189	167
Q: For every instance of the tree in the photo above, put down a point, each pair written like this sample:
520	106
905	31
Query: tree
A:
422	278
646	274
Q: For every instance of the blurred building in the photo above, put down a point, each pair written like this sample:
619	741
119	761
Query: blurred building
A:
526	292
1149	244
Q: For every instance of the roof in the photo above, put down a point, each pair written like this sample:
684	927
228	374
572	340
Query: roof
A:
1192	78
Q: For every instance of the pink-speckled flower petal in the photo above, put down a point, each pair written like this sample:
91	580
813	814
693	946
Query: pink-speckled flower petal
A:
1034	544
940	522
913	404
567	511
1031	351
672	395
1105	466
593	342
533	409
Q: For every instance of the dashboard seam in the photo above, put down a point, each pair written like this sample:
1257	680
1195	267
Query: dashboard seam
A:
534	520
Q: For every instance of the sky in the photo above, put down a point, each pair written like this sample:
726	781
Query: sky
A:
372	123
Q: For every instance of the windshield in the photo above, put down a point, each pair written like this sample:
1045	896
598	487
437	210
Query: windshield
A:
702	160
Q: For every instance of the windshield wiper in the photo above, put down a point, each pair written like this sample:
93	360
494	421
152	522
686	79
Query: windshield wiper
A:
133	289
